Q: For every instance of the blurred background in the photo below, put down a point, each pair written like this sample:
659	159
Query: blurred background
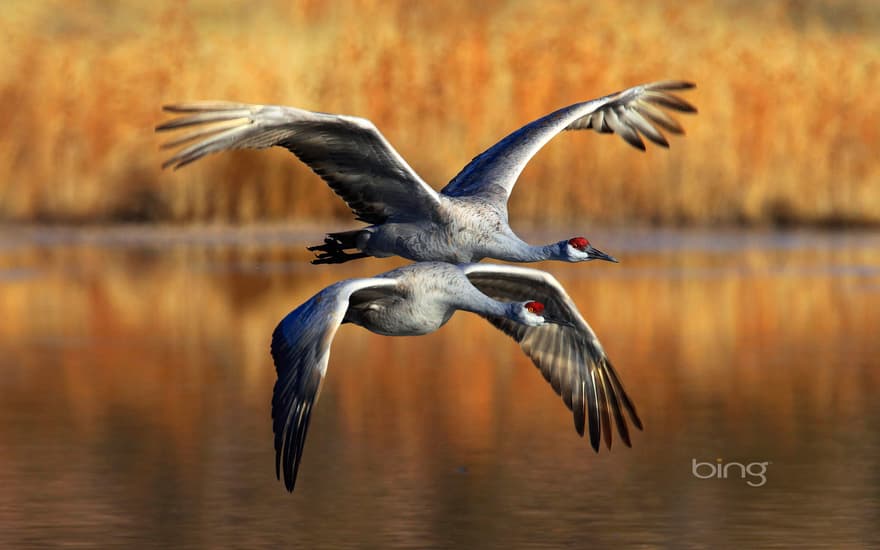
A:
137	304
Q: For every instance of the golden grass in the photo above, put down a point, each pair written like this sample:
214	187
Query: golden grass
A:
787	132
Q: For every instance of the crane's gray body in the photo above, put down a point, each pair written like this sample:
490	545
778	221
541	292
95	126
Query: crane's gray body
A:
463	230
425	297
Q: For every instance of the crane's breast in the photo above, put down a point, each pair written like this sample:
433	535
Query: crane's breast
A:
405	320
423	307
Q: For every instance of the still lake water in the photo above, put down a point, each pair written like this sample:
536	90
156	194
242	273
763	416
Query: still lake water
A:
135	383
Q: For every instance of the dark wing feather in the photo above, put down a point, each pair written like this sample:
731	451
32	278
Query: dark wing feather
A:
566	351
631	114
301	351
349	153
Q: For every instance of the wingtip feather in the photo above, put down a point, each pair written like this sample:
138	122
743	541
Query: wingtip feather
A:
202	106
669	101
671	85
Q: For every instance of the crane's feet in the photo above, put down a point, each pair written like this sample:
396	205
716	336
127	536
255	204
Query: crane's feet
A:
333	251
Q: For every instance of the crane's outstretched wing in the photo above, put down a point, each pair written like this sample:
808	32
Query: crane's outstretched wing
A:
566	351
349	153
635	111
300	350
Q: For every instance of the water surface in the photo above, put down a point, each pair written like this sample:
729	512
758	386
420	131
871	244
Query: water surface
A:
135	383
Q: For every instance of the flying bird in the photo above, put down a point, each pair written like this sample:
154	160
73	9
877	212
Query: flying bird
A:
527	304
467	220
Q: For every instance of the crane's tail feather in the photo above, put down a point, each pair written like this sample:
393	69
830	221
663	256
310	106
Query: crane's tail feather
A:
333	251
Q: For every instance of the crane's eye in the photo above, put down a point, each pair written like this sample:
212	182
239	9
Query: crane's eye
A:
535	307
580	243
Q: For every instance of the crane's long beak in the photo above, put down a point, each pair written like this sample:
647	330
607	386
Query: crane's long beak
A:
599	255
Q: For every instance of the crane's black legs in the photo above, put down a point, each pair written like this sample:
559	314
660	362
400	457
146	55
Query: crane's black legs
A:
334	247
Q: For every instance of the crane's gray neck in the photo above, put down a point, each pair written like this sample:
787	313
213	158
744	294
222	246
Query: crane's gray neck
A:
521	251
477	302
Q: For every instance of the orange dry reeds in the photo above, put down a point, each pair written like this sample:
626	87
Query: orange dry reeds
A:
787	131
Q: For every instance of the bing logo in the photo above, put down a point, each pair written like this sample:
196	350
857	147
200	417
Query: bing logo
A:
755	473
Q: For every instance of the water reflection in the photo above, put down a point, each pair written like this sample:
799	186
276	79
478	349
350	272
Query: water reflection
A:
135	387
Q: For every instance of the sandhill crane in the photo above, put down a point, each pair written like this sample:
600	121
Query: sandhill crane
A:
467	220
527	304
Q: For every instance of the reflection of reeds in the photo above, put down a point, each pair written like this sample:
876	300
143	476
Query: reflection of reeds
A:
139	378
785	133
135	325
